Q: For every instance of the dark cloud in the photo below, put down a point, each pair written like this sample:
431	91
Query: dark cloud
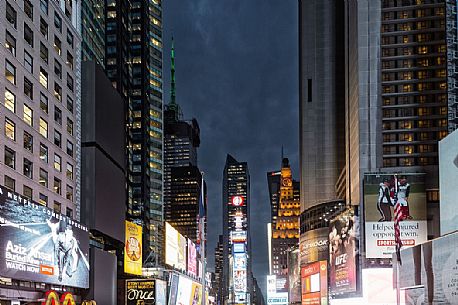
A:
237	73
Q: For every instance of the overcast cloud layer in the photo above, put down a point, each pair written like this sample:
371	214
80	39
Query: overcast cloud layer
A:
237	74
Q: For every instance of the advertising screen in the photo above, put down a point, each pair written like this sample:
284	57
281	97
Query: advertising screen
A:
271	285
173	291
181	260
188	292
36	244
184	291
238	236
282	284
240	280
161	292
381	192
280	298
140	292
314	283
133	249
294	276
343	253
171	245
240	261
239	247
192	258
313	246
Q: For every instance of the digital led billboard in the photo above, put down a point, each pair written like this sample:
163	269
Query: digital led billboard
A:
37	244
192	258
313	246
181	261
184	291
133	249
381	191
343	253
140	292
314	283
175	248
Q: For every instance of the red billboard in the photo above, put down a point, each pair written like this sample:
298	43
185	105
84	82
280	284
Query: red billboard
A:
314	283
192	258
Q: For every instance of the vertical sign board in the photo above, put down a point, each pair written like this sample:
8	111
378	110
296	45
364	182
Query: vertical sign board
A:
192	258
181	252
381	191
140	292
313	246
314	279
40	245
294	276
171	245
343	253
133	249
161	292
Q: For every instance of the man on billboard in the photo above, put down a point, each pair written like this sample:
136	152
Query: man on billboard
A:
403	197
384	201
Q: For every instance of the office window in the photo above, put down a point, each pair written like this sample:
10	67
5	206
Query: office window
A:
58	92
70	60
57	162
43	178
69	104
69	126
43	199
28	35
11	15
69	212
10	72
43	102
69	193
57	207
43	52
43	78
43	128
28	88
28	9
57	138
10	183
69	172
28	141
28	61
43	152
70	38
28	115
27	192
57	69
10	157
10	100
58	115
28	168
44	6
69	82
58	22
57	45
69	148
57	186
10	43
44	27
10	129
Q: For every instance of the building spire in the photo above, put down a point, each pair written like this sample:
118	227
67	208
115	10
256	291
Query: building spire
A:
172	77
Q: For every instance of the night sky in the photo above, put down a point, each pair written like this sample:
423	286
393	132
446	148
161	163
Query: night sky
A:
237	74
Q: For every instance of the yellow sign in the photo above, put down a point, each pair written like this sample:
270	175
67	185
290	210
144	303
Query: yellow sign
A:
52	298
133	249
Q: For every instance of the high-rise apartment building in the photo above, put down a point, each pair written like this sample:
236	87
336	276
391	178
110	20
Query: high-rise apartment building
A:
236	281
93	31
321	93
133	47
285	211
41	105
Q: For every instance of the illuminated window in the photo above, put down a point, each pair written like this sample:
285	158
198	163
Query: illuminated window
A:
43	152
10	100
28	115
10	129
10	72
442	49
421	74
10	43
43	128
422	50
441	73
421	38
443	86
407	88
57	162
57	186
43	199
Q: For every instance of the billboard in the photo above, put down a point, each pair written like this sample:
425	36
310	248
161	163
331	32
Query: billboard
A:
343	253
239	248
240	281
294	276
380	196
37	244
279	298
184	291
238	236
161	292
448	176
314	283
133	249
181	260
271	285
171	246
313	246
173	291
140	292
240	261
192	258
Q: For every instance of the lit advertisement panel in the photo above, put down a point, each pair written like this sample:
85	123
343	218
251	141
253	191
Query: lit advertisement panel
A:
171	245
313	246
271	285
279	298
239	248
188	292
281	284
238	236
173	291
240	281
196	294
314	283
161	291
343	253
133	249
192	258
240	261
379	199
294	276
140	292
36	244
181	260
184	291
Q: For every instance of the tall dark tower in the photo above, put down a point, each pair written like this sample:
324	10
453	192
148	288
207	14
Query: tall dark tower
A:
236	281
133	45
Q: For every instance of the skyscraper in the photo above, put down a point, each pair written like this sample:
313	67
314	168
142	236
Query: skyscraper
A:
236	281
134	65
219	268
93	31
321	93
41	111
285	212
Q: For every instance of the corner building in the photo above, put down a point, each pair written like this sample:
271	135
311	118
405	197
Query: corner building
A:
236	280
133	44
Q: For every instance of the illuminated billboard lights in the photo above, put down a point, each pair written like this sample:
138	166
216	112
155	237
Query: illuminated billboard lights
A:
237	201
